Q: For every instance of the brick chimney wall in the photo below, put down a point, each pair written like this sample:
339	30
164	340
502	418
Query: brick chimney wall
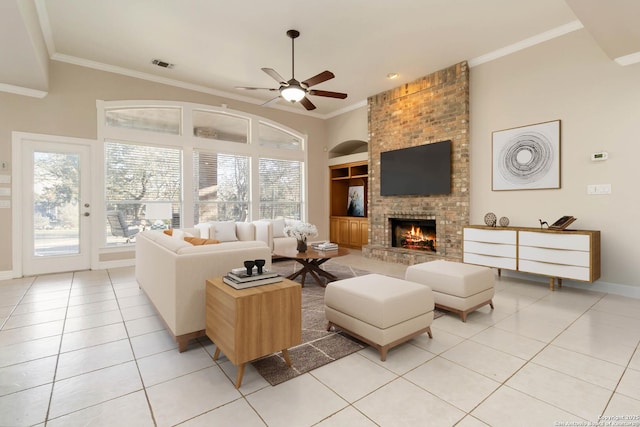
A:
431	109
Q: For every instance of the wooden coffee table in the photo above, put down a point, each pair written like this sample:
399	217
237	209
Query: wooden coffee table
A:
311	260
246	324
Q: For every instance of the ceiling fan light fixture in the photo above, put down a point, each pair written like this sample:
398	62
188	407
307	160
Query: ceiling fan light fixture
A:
292	93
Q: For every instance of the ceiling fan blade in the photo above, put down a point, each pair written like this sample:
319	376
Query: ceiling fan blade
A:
271	101
275	76
319	78
256	88
307	104
328	94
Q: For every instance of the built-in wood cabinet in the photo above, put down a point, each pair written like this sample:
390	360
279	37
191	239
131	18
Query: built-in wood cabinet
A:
344	229
569	254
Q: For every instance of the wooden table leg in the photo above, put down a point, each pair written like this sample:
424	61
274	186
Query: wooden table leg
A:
239	375
285	354
216	354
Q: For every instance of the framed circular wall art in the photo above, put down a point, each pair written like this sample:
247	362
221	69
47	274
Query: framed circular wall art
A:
527	157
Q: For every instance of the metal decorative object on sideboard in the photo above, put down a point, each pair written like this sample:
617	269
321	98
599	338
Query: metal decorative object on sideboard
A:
559	254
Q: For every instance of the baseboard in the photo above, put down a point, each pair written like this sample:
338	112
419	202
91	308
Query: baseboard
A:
103	265
6	275
597	286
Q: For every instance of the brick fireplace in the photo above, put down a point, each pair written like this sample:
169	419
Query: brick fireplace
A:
431	109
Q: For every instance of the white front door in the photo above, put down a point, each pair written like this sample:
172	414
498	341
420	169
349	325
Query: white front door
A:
56	205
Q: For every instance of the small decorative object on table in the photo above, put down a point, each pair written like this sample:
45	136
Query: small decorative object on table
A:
259	264
301	231
504	221
249	266
490	219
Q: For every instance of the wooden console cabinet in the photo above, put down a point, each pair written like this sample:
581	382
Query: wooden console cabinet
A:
348	231
568	254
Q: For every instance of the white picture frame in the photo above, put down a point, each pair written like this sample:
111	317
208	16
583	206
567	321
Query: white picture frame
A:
526	157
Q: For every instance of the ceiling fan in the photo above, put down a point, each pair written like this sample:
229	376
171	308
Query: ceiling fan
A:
293	90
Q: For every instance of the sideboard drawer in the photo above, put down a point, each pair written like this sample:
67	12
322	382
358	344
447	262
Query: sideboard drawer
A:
554	270
493	249
490	236
578	242
555	256
489	261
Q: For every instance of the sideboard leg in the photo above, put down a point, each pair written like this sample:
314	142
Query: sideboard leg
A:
499	272
551	280
559	282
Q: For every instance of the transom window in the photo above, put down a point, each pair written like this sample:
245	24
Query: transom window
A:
227	165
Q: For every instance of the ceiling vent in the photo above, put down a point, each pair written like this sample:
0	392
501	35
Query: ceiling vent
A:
161	63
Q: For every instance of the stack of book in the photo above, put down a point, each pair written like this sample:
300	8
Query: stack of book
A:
239	279
325	246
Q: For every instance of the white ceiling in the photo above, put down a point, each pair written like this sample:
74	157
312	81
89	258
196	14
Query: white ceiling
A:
217	45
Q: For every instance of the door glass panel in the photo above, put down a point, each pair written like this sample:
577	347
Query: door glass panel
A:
56	203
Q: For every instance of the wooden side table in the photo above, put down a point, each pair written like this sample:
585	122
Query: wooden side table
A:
246	324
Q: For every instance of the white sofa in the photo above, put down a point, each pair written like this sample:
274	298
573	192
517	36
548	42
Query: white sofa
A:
271	231
173	274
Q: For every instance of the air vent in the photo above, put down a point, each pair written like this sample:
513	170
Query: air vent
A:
161	63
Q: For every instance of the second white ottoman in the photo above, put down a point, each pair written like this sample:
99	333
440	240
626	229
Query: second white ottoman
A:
379	310
461	288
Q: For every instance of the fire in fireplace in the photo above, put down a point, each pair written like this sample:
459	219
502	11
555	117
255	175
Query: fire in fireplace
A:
417	234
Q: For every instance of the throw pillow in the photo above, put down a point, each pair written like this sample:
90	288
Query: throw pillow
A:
195	241
225	231
278	227
204	229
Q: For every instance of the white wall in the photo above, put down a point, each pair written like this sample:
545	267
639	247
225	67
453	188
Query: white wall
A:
598	103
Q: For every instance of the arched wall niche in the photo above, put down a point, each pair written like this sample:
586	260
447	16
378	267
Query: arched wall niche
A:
349	148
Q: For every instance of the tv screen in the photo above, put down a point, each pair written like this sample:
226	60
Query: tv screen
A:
416	171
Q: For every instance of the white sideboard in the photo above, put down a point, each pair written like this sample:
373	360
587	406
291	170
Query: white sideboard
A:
569	254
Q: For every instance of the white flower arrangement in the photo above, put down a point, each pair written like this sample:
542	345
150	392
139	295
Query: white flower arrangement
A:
301	230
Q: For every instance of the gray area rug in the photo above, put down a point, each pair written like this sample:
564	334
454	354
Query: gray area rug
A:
318	346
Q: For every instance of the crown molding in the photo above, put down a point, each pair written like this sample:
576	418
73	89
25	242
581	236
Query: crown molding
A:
526	43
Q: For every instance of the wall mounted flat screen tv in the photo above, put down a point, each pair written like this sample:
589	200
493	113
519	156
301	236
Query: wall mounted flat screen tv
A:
416	171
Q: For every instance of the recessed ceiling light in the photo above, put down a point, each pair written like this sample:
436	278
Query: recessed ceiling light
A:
161	63
392	76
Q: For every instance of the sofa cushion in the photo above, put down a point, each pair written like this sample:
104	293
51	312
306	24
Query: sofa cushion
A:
278	227
225	231
204	227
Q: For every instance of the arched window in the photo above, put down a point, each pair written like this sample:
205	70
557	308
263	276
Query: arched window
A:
178	164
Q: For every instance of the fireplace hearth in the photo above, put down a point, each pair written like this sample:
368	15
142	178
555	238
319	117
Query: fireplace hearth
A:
417	234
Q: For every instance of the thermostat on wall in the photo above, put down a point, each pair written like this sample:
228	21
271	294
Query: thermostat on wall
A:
602	155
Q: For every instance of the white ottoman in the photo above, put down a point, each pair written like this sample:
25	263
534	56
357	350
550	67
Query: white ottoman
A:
379	310
457	287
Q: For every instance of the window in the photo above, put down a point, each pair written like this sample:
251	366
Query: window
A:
177	164
221	187
222	126
162	120
281	183
139	180
273	137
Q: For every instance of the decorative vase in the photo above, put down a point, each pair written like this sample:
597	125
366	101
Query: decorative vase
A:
490	219
504	221
302	245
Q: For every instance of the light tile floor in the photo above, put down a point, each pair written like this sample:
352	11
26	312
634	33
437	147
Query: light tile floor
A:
86	348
